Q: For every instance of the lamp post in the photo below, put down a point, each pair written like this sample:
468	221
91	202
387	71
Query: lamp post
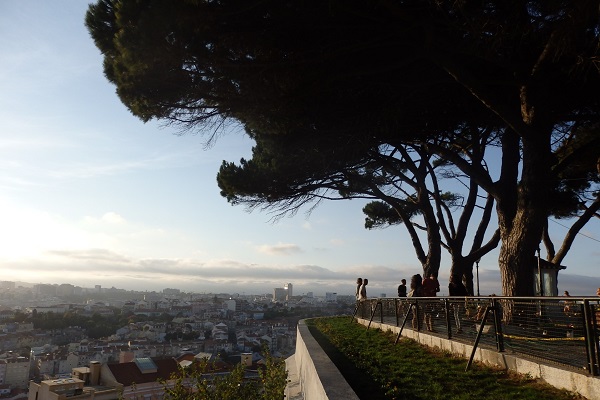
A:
540	278
477	273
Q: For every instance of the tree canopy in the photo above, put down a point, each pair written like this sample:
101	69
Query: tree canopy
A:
332	90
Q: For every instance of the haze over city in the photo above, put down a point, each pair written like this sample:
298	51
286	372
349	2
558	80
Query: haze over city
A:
90	195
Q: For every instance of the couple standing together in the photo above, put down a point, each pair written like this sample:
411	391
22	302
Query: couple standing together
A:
361	289
427	287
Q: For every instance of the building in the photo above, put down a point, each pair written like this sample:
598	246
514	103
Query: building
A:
65	289
17	372
131	380
279	294
43	289
2	371
331	297
7	285
85	383
56	309
232	305
290	292
139	378
283	294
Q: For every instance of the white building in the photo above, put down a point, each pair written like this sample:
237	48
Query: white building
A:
289	288
230	304
17	372
283	294
331	297
279	294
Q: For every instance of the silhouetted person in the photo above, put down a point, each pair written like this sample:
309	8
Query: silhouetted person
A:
402	288
362	293
358	285
416	290
430	288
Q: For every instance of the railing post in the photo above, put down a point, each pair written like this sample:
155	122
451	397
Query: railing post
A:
410	307
590	338
447	311
498	325
594	317
479	332
396	311
377	304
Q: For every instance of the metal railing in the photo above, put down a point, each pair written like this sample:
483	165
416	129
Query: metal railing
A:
558	330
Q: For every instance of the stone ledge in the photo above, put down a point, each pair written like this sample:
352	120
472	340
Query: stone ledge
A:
316	374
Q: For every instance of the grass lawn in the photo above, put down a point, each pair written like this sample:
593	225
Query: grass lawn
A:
378	369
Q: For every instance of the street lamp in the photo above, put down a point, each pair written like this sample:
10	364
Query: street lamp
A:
477	272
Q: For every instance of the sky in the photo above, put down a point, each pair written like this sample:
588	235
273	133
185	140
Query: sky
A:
90	195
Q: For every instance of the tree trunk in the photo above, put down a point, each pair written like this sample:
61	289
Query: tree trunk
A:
462	269
521	235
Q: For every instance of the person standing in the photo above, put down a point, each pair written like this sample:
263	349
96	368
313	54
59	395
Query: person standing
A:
402	288
568	304
416	290
456	288
359	282
430	288
362	295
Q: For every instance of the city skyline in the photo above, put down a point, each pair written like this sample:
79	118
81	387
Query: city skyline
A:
89	193
489	285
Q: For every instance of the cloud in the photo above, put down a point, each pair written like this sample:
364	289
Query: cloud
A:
285	249
90	267
94	266
113	218
110	217
92	255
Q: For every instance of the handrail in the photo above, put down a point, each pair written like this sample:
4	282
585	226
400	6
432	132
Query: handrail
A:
558	329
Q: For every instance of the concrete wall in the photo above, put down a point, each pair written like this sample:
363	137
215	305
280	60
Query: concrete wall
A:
317	377
581	383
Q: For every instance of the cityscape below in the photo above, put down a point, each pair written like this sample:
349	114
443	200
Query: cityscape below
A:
62	338
24	294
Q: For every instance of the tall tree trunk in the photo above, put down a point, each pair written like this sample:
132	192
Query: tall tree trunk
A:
521	234
462	271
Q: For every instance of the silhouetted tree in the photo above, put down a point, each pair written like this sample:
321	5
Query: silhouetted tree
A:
332	83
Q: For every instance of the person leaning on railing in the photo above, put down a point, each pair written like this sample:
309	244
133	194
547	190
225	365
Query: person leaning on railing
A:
568	304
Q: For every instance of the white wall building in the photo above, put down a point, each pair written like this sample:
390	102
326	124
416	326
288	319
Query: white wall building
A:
17	372
279	294
290	291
